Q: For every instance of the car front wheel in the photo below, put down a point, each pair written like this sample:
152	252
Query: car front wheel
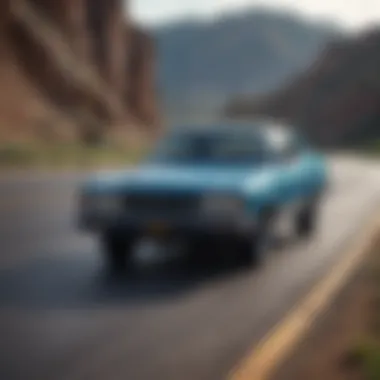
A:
117	250
252	250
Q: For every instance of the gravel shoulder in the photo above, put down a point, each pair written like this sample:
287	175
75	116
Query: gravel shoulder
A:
344	344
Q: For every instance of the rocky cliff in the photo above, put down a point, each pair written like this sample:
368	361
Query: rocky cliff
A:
82	66
336	101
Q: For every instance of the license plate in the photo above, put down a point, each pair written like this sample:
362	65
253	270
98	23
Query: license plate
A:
158	228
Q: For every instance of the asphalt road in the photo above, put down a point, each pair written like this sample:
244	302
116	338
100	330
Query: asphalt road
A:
62	318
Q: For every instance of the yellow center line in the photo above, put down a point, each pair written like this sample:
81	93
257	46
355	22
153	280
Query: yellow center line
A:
265	358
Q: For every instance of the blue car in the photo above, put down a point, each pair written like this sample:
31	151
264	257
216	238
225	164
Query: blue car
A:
218	188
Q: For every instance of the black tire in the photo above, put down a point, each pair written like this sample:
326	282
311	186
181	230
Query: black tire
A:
306	221
199	251
117	250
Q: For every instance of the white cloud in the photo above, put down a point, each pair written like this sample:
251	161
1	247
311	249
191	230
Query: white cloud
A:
352	13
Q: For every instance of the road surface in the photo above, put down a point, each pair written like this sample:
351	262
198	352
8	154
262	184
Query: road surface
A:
61	318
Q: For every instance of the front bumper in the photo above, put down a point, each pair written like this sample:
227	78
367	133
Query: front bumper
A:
170	226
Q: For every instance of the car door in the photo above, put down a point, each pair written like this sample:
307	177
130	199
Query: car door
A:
302	170
294	169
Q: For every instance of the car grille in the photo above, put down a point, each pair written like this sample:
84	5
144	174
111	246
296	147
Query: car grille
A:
162	204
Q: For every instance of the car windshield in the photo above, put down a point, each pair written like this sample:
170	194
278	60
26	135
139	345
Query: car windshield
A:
216	147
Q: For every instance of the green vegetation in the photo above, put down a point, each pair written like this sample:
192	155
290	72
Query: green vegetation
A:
365	353
370	149
76	156
374	147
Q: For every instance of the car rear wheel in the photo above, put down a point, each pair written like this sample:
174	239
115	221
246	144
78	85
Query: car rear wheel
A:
117	250
306	221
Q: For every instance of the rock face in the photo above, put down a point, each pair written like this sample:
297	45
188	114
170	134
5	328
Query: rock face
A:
93	37
4	14
107	31
141	92
337	101
67	16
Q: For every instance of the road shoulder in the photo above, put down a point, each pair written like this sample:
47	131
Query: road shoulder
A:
266	357
342	343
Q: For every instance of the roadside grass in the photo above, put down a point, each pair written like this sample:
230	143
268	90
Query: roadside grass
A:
373	148
62	156
365	353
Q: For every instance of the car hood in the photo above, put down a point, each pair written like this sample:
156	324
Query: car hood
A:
178	178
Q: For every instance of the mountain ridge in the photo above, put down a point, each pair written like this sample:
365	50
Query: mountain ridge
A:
336	101
251	52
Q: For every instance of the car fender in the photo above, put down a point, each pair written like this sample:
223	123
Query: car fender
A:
263	193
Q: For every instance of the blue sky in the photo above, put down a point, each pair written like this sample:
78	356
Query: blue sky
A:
354	14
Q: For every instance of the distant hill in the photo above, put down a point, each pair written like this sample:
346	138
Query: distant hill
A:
336	101
201	63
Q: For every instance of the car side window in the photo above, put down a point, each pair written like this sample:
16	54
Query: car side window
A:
284	147
291	150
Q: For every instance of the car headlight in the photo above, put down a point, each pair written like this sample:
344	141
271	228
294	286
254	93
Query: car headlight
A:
102	204
217	205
